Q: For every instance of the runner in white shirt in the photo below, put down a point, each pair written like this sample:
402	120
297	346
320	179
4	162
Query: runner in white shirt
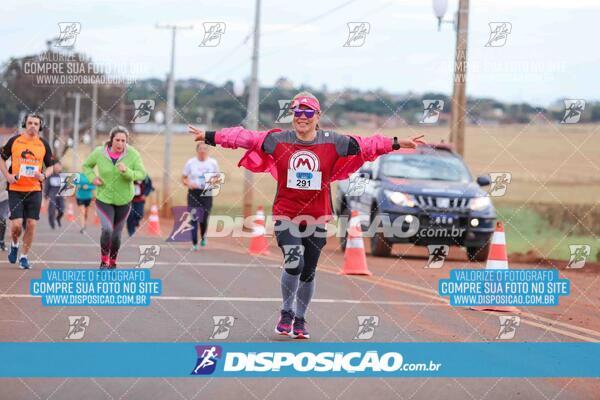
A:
197	175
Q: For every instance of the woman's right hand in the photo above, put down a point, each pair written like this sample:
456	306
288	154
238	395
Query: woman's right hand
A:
198	133
97	181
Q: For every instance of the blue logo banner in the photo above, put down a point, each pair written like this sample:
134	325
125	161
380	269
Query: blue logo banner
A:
251	360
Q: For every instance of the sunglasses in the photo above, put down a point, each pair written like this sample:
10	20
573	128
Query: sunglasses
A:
308	113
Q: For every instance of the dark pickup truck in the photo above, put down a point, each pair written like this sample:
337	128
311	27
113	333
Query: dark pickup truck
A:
422	196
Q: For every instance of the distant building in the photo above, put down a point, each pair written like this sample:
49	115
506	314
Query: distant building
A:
284	84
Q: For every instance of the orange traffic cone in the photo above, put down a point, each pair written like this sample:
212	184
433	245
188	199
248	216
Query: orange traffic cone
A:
70	212
258	242
497	259
355	259
153	227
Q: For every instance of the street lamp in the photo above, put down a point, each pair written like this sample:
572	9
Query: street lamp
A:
439	9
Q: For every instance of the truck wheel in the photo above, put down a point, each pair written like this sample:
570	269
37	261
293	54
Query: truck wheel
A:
478	253
380	247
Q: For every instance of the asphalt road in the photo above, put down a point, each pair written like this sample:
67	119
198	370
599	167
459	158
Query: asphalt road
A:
223	280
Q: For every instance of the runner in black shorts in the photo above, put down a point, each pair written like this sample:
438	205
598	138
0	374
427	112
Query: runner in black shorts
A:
198	174
83	196
84	202
29	153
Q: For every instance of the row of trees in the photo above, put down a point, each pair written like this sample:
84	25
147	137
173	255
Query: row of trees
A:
201	101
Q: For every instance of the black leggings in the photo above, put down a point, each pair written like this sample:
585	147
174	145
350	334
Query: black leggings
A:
290	236
196	199
112	220
56	210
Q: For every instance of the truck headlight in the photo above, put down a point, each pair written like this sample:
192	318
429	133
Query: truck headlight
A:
399	198
480	203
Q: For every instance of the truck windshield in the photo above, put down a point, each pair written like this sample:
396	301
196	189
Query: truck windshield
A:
438	167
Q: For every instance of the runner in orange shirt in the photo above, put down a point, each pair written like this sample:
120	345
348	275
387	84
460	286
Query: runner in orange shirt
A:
29	154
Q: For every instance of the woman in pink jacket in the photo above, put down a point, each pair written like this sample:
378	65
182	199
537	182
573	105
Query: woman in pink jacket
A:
304	162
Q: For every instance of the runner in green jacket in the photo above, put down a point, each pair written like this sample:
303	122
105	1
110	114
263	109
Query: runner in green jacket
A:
118	165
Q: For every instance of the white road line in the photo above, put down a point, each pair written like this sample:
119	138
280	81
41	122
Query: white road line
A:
262	300
201	264
178	245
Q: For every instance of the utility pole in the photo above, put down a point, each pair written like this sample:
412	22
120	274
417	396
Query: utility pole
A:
75	165
61	131
76	112
51	130
459	99
252	113
94	115
169	118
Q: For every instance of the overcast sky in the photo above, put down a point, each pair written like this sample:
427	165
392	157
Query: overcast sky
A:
550	53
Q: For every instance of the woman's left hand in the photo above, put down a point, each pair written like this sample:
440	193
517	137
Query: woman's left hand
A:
199	134
412	142
122	167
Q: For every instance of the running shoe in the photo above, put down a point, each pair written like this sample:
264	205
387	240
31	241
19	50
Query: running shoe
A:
24	263
104	262
284	326
112	263
194	247
300	331
12	254
203	243
2	247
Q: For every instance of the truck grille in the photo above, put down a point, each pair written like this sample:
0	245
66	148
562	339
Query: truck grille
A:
442	203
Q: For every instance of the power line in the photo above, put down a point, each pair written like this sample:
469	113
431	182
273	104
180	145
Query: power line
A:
313	19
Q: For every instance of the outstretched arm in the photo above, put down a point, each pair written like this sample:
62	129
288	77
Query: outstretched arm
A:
375	145
230	138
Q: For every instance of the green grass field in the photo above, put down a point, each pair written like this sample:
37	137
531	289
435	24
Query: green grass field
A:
527	230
